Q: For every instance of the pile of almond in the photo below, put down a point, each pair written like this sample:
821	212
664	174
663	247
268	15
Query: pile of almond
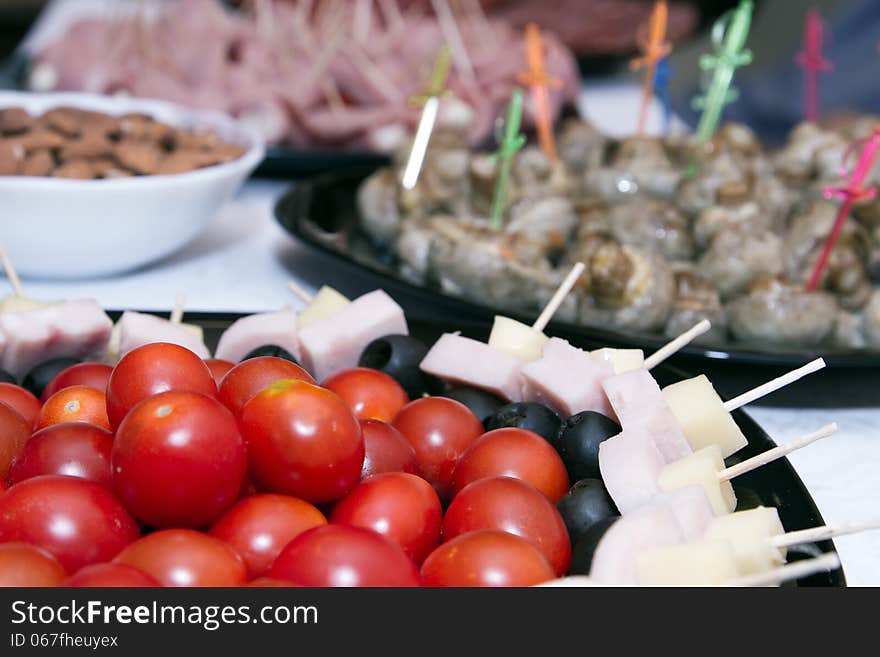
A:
67	142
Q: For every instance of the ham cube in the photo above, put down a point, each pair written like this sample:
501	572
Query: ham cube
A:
630	464
76	329
638	402
567	379
335	343
253	331
138	329
692	509
461	360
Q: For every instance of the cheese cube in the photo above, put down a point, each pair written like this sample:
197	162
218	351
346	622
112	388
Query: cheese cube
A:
750	533
704	563
325	303
702	416
701	468
622	360
517	339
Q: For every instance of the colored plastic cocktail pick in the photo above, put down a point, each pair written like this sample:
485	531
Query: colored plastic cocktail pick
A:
851	192
654	48
539	81
431	101
810	59
729	36
511	142
662	75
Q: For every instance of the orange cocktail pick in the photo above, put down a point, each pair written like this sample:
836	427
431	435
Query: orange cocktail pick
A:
539	81
654	47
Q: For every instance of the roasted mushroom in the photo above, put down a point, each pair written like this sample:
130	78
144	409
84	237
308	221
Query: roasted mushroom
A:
737	255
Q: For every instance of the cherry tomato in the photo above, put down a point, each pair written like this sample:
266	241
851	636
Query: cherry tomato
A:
151	369
15	431
269	582
302	441
512	452
259	527
339	555
184	557
110	575
401	506
486	557
23	565
254	375
513	506
20	400
370	394
178	460
440	430
386	450
74	404
75	449
78	521
219	368
93	375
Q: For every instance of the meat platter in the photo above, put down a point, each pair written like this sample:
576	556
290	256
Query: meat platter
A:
322	213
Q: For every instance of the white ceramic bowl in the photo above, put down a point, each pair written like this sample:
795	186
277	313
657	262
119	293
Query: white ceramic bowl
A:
58	228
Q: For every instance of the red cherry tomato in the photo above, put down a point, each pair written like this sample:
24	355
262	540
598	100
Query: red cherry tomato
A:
303	441
110	575
23	565
269	582
74	404
440	430
254	375
151	369
75	449
20	400
219	368
259	527
370	394
15	431
93	375
386	450
339	555
178	460
513	506
78	521
512	452
487	557
401	506
184	557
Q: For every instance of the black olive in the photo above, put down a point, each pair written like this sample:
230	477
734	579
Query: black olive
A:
585	548
271	350
578	443
583	506
38	378
6	377
399	356
482	403
527	415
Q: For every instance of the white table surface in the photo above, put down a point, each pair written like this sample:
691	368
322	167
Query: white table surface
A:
243	261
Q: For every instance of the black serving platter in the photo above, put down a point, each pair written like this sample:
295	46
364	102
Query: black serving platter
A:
776	484
321	212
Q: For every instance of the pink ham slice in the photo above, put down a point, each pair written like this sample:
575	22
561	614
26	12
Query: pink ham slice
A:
248	333
615	561
461	360
138	329
637	400
336	342
567	379
692	509
76	329
630	464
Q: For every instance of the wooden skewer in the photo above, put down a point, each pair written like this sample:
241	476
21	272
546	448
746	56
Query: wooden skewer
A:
360	19
11	274
179	304
776	453
775	384
825	563
453	39
673	346
299	291
823	533
391	13
557	299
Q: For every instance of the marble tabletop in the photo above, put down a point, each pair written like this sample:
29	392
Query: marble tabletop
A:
243	261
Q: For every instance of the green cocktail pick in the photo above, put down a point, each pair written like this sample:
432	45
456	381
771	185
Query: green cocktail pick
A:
512	141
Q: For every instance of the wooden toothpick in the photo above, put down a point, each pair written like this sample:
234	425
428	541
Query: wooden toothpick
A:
673	346
11	274
774	385
557	299
776	453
